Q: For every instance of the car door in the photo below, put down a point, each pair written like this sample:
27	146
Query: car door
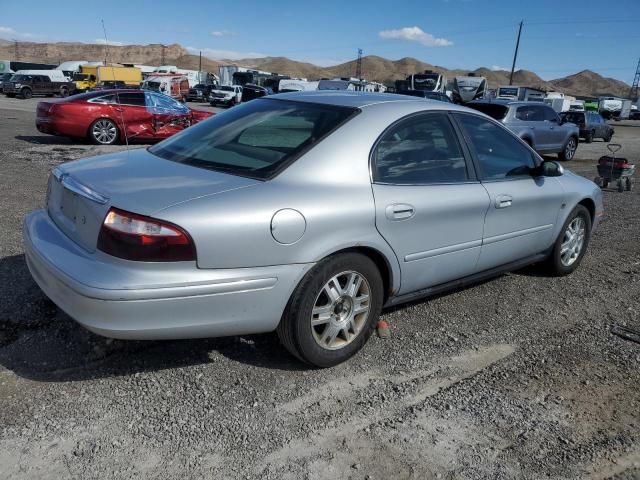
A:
557	134
41	85
532	120
523	208
430	207
169	115
132	114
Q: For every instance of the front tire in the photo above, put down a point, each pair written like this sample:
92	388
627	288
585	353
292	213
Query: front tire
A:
569	149
571	244
26	93
333	311
103	132
64	92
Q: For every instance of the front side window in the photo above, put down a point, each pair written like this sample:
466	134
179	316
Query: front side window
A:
256	139
500	154
131	98
550	114
420	150
165	104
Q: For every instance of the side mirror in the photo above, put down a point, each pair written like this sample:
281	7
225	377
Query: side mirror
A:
549	168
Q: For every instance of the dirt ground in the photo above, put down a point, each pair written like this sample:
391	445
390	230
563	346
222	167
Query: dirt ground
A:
517	377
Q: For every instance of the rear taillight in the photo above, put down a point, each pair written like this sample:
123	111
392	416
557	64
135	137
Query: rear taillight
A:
136	237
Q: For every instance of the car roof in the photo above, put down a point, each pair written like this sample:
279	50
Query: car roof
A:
360	99
505	102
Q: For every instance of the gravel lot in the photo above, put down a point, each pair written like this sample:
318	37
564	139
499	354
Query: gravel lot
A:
518	377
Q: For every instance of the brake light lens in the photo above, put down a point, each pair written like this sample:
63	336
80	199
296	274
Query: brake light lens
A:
136	237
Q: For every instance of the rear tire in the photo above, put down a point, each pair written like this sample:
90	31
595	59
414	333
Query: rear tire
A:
629	184
103	132
571	244
621	185
588	138
333	311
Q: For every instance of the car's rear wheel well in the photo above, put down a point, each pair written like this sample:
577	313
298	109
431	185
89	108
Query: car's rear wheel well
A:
590	206
381	262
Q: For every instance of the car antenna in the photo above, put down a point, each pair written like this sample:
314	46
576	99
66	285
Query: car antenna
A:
113	75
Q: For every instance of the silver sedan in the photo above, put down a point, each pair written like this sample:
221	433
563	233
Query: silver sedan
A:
304	213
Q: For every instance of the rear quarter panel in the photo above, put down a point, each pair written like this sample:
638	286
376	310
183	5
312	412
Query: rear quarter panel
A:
330	186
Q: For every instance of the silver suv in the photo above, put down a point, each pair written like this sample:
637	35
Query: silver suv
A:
536	123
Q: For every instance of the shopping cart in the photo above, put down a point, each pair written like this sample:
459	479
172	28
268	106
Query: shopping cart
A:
612	169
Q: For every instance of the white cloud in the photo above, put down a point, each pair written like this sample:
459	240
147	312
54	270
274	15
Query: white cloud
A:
216	54
102	41
496	68
17	35
415	34
221	33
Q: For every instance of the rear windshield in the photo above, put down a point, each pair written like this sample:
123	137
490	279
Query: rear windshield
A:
574	117
494	110
257	139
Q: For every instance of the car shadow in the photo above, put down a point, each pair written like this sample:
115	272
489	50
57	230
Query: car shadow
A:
40	342
48	140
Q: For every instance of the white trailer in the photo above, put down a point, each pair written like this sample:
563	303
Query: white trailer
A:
523	94
226	73
466	89
294	85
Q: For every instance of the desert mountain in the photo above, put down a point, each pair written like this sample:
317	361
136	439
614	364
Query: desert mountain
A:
373	67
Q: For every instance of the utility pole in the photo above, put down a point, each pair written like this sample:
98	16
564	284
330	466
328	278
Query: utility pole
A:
515	54
16	51
359	65
200	64
633	92
162	55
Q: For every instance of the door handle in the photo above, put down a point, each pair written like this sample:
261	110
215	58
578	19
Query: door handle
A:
399	211
503	201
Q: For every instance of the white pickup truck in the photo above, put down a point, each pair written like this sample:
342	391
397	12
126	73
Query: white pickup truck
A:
226	95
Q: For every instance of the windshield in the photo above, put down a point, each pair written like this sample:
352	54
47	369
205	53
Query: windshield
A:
21	78
257	139
494	110
226	89
78	77
152	86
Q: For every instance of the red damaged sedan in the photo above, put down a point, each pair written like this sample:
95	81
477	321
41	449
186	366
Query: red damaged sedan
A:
115	116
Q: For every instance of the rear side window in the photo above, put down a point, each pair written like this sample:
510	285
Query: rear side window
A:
494	110
530	113
256	139
500	154
105	99
574	117
420	150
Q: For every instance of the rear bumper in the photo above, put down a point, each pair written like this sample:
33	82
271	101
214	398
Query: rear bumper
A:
137	300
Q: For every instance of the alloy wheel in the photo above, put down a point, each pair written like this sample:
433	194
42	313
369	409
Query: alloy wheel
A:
572	242
341	310
104	131
570	149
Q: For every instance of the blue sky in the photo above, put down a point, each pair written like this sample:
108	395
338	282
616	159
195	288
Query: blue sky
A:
559	36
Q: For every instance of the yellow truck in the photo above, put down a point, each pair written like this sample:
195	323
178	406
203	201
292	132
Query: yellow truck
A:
93	76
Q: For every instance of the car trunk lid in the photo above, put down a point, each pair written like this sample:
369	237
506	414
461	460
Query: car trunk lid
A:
80	193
